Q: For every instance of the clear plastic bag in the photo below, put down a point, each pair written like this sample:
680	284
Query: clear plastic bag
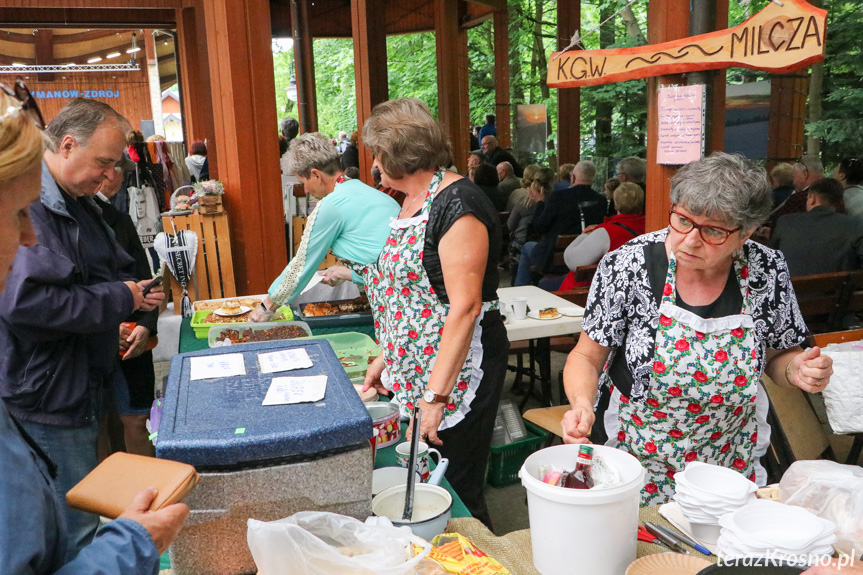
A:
320	543
831	491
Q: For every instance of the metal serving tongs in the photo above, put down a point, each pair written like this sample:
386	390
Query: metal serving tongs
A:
412	459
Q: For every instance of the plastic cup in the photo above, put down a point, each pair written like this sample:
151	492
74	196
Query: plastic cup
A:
519	307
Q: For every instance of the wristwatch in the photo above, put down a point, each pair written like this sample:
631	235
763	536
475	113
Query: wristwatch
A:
263	305
429	396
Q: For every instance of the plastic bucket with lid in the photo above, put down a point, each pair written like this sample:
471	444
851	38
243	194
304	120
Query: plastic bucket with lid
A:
583	531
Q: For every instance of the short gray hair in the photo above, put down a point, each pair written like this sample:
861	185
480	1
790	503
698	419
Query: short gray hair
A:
635	169
507	168
812	163
724	187
585	170
313	151
80	118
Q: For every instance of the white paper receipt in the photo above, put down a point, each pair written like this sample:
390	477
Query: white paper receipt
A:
284	360
284	390
213	366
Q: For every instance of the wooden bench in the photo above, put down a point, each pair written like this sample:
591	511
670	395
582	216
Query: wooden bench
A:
826	300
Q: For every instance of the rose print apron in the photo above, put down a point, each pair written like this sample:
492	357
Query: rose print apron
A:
409	317
700	405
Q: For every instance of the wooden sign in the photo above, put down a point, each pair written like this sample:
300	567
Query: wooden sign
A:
778	39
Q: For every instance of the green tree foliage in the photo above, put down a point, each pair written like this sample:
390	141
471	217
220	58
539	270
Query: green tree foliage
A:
841	127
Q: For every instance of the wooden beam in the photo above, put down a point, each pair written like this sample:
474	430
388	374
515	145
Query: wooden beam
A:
96	4
502	105
494	4
666	20
568	99
370	68
45	51
194	77
451	44
244	102
787	117
149	47
304	57
86	17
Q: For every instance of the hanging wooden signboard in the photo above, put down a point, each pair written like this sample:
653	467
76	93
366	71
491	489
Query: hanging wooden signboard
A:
778	39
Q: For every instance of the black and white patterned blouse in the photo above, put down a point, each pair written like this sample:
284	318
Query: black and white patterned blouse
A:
623	308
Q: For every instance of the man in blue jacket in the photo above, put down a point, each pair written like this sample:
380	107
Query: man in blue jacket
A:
64	301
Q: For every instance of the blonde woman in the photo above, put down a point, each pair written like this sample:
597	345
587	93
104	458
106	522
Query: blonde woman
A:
32	536
521	213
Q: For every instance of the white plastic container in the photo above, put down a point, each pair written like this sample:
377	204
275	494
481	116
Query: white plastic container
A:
583	531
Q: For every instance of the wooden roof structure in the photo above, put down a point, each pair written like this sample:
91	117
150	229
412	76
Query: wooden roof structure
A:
224	65
65	46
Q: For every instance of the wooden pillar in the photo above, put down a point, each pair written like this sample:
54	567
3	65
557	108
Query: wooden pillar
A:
707	16
370	68
502	105
244	101
568	99
451	42
45	51
717	108
304	59
666	20
194	79
787	117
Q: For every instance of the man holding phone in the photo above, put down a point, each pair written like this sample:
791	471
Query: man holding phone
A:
64	301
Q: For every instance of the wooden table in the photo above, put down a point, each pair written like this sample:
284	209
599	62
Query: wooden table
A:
540	330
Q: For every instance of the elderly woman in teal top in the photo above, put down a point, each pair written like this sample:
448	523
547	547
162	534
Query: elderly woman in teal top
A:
351	219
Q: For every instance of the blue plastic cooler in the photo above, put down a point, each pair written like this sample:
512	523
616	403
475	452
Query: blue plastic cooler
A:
266	462
220	424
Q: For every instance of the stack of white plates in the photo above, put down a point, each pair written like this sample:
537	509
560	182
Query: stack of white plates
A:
775	530
707	492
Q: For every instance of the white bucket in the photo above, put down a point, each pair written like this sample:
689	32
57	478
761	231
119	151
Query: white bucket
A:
583	531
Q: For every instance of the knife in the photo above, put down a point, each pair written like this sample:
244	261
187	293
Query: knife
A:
671	543
681	538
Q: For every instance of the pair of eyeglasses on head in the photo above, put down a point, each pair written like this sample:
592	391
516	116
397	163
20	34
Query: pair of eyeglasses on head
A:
713	235
28	106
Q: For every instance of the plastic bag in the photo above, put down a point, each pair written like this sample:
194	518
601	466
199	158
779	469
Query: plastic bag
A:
831	491
843	398
320	543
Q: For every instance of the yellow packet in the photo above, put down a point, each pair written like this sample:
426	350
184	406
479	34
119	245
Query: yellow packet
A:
456	554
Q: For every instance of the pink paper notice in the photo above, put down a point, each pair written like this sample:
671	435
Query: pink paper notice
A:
681	124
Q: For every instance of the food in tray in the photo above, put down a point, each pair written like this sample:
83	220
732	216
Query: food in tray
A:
214	305
548	313
356	305
231	306
274	333
213	317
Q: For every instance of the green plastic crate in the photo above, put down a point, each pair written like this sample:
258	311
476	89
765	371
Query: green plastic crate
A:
202	330
506	460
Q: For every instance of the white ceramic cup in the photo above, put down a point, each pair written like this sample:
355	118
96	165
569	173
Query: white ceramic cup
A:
403	452
519	307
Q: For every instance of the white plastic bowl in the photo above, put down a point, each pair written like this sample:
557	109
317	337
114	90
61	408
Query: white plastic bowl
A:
775	524
718	509
706	532
713	481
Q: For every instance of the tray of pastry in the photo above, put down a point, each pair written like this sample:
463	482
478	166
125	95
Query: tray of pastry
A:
257	332
337	313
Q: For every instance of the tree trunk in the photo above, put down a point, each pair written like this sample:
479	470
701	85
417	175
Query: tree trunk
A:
516	77
632	27
539	62
816	83
604	108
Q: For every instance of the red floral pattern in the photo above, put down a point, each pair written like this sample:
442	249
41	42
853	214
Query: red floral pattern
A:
700	404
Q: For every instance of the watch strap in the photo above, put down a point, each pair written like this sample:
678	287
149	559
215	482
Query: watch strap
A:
437	397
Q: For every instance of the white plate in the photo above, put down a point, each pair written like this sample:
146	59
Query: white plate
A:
535	315
243	309
571	311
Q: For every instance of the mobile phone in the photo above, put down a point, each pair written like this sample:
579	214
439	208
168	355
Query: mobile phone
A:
156	282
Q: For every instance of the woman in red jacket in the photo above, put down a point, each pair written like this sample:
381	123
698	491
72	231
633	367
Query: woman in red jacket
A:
588	248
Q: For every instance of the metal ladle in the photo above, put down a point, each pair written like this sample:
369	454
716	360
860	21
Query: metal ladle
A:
415	440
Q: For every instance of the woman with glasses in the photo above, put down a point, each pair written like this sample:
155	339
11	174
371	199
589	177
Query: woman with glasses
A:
681	323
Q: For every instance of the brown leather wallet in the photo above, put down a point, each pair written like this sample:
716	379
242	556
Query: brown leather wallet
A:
110	488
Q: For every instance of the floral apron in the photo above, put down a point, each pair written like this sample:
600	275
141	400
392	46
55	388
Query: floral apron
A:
409	317
700	405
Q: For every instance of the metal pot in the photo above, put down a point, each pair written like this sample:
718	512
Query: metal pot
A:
432	508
